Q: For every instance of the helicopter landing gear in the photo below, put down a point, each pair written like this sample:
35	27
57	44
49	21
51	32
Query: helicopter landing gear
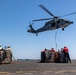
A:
62	29
37	34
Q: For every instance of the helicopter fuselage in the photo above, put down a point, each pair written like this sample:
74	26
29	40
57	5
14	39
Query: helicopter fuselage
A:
51	25
57	23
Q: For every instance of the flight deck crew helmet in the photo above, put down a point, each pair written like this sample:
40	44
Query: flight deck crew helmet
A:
8	46
0	47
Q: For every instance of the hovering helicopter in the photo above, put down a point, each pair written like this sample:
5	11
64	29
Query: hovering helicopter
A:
53	23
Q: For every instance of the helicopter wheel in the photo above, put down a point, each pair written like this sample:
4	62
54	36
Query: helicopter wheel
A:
36	34
62	29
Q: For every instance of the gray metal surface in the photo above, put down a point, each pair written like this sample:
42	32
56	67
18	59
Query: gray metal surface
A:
36	68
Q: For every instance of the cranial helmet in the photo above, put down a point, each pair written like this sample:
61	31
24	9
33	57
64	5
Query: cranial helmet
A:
52	48
8	46
64	46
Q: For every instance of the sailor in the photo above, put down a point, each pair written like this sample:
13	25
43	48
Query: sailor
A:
8	54
0	47
66	53
52	50
43	55
8	48
52	54
1	53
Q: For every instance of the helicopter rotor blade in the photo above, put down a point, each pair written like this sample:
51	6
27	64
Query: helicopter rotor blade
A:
42	19
46	10
68	14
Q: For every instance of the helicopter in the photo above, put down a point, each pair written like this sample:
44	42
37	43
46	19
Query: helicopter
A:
53	23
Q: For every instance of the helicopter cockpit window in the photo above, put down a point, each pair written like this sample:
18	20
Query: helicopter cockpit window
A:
47	23
58	21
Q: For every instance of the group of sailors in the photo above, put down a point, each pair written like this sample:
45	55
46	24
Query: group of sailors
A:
63	52
6	48
5	54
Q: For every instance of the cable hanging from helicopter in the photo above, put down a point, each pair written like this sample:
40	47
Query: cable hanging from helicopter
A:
55	39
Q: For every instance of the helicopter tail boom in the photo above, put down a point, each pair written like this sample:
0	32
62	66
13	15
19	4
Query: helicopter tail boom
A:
31	30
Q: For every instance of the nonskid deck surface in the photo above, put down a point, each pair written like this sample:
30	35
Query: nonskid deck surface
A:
36	68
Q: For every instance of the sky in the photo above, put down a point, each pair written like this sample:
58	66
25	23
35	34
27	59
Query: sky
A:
15	17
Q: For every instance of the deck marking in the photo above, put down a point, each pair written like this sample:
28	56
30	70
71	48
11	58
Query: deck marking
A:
40	72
